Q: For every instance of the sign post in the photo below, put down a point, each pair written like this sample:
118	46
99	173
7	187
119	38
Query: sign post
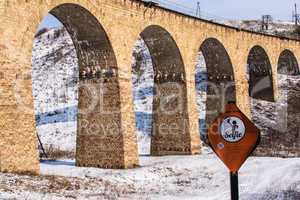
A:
234	184
233	137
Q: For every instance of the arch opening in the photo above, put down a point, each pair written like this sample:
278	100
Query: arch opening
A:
95	98
55	89
287	63
159	81
215	83
286	138
260	75
261	95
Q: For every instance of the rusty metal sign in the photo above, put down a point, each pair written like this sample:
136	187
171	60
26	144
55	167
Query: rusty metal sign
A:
233	137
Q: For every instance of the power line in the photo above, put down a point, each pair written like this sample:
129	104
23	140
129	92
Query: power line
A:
188	10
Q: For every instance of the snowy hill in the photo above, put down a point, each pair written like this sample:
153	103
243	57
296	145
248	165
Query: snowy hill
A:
55	90
55	71
279	28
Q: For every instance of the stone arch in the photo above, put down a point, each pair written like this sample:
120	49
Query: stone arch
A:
286	138
170	123
100	142
215	82
287	63
259	70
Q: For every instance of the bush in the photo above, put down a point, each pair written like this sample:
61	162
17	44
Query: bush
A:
297	31
41	32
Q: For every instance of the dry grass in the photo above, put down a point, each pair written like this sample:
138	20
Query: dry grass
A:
292	193
55	154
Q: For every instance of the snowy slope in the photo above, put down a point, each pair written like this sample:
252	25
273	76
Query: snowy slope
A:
168	178
266	114
55	71
143	83
280	28
55	90
55	78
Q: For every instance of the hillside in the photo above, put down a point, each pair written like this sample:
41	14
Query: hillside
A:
278	28
55	88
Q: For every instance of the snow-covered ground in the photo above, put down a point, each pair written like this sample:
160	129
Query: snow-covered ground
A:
268	115
59	136
169	178
55	89
281	28
143	84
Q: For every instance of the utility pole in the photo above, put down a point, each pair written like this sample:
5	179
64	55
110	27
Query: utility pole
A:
296	16
198	10
266	20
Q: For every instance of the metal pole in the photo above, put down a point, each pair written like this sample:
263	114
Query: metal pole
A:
198	11
234	184
296	14
41	145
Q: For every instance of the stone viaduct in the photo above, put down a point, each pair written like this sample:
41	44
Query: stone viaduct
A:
104	33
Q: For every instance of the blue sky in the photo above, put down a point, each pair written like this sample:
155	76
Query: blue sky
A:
243	9
227	9
49	21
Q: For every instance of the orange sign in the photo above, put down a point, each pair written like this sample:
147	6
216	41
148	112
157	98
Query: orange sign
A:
233	137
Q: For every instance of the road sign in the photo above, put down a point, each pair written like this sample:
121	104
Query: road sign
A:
233	137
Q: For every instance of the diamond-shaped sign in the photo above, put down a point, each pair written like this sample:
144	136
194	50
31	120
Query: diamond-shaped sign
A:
233	137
